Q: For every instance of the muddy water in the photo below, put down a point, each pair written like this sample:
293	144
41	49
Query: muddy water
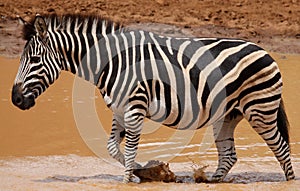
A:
50	128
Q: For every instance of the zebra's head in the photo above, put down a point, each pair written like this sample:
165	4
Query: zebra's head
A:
39	64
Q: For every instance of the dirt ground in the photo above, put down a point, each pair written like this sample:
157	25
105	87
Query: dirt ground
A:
273	24
41	149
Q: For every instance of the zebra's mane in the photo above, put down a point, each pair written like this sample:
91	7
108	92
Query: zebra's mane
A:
74	22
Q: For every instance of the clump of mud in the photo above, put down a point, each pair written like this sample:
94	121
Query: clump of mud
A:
156	170
199	175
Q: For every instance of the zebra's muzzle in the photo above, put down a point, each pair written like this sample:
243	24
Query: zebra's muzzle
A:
20	100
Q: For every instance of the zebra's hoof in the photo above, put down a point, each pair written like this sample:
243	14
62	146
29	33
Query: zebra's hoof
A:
127	180
290	177
216	179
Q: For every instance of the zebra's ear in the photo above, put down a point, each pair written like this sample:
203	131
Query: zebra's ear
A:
40	26
22	21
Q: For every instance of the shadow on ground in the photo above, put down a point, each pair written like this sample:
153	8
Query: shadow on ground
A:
185	177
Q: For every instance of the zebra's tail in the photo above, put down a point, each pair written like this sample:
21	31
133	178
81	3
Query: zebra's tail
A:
283	123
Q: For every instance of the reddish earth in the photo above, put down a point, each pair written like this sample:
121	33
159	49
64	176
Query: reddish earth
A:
273	24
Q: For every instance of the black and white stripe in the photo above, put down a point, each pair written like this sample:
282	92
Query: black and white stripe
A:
184	83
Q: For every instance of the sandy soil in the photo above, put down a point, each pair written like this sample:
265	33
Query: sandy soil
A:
42	149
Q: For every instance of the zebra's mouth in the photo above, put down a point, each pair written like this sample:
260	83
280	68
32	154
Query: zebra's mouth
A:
20	100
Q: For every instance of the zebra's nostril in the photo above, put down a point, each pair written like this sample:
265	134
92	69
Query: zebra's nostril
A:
19	100
17	97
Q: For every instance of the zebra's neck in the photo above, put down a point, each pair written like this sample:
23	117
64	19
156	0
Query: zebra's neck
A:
78	41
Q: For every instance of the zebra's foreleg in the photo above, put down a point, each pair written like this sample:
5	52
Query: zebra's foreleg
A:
223	134
113	144
133	127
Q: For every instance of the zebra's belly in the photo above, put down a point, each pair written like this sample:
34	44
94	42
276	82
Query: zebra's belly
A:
185	117
190	113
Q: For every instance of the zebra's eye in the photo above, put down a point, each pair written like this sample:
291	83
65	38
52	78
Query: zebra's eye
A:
35	59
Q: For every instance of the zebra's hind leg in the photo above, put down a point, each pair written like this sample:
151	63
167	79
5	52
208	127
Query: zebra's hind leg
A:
223	134
113	144
272	126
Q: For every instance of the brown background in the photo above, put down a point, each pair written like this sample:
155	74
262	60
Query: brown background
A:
274	24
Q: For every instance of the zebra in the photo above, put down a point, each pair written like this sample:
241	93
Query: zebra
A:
183	83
